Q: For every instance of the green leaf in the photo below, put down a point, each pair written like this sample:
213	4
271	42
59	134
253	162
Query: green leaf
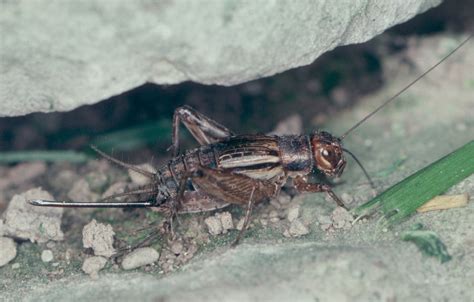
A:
405	197
428	243
43	155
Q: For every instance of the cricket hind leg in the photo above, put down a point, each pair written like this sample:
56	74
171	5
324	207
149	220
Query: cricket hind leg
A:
203	129
234	188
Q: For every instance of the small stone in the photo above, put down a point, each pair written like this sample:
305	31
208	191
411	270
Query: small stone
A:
347	198
263	222
297	228
293	213
226	221
24	172
99	237
323	219
93	265
240	224
16	265
177	247
214	225
275	203
37	224
64	179
96	180
341	218
81	192
140	257
326	226
116	188
7	250
55	264
47	256
140	179
284	198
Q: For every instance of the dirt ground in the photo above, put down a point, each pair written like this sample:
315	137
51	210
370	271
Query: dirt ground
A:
298	247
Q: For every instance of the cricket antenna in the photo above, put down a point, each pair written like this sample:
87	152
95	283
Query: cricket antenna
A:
403	90
361	166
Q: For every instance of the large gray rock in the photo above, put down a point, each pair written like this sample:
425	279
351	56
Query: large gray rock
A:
58	55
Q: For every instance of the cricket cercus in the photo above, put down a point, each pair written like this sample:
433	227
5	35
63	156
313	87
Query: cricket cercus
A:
235	169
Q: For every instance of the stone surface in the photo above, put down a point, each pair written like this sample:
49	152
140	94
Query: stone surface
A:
37	224
7	250
99	237
59	55
140	257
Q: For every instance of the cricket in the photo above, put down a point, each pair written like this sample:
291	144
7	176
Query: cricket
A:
230	169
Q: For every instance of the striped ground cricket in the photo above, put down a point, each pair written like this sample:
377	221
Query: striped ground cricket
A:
235	169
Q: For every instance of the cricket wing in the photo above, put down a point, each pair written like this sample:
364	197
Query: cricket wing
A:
233	188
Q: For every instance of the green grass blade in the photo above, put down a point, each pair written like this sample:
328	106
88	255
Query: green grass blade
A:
405	197
43	155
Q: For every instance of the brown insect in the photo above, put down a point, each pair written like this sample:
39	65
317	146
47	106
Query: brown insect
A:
236	169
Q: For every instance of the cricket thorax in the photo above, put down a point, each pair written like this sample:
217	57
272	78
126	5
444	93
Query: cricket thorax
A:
295	154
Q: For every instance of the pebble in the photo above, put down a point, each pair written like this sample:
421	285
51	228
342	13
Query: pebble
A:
177	247
47	256
214	225
284	198
16	265
293	213
96	180
297	228
81	192
226	221
138	178
341	218
99	237
116	188
140	257
240	224
7	250
347	198
28	222
93	265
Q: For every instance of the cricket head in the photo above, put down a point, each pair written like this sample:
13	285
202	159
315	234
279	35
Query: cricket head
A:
328	153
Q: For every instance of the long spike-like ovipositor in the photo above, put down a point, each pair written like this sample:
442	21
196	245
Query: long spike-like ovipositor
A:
403	90
72	204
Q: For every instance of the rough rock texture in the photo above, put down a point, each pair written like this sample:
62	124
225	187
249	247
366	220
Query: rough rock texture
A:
59	55
24	221
99	237
7	250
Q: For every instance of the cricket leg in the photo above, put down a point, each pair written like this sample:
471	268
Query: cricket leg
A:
203	129
246	219
302	185
234	189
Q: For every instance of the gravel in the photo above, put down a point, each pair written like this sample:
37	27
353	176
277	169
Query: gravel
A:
99	237
47	256
93	265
